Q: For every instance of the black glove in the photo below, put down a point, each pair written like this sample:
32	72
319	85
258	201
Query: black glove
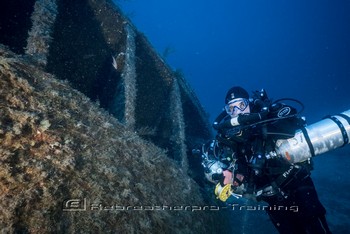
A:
224	125
245	119
242	119
219	177
216	125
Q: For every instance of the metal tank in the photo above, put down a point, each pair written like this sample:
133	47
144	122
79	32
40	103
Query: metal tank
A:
328	134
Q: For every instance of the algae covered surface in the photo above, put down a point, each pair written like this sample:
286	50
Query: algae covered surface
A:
66	165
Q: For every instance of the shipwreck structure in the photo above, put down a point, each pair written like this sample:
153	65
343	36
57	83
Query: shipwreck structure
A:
98	50
91	114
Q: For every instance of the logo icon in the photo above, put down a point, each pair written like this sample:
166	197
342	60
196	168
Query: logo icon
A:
74	205
284	112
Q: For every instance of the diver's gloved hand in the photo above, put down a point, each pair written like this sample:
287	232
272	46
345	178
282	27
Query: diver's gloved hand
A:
231	187
215	125
250	118
228	177
221	126
242	119
219	177
223	178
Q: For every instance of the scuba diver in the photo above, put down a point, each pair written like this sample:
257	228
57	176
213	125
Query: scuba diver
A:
242	163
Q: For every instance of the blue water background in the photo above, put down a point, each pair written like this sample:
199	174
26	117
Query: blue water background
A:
298	49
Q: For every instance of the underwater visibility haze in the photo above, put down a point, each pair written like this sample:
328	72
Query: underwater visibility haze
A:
296	49
91	116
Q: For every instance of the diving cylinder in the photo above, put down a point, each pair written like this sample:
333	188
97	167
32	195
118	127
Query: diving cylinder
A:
328	134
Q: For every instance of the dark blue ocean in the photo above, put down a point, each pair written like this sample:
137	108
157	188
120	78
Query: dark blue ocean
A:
298	49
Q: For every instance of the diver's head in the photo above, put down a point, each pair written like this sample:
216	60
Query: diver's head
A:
237	101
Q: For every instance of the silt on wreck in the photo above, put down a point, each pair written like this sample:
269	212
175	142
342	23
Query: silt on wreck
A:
95	128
